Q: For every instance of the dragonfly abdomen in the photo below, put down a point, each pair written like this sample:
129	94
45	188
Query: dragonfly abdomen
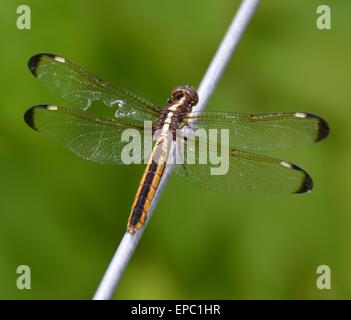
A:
145	194
154	170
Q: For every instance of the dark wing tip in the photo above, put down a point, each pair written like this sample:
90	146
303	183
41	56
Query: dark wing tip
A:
322	125
34	61
323	129
29	115
307	182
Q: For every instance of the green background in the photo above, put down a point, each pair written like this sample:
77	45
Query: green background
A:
64	216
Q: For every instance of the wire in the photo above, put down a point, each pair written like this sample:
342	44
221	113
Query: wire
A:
208	84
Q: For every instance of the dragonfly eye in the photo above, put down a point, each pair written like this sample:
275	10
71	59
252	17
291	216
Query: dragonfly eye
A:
190	94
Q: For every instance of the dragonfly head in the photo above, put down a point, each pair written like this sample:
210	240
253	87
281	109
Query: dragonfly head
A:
187	93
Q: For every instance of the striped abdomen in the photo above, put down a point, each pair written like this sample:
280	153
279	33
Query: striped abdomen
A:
146	191
167	123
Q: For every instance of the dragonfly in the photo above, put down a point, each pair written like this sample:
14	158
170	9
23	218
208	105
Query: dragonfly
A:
93	126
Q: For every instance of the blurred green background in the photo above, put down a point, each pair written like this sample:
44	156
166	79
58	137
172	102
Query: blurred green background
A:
64	216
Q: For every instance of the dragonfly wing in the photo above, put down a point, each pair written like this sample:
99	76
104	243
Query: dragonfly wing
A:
264	131
243	172
83	89
90	137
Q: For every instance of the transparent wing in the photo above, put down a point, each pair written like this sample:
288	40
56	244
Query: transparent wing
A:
244	172
83	89
90	137
264	131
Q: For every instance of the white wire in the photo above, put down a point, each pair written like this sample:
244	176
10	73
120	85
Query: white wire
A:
208	84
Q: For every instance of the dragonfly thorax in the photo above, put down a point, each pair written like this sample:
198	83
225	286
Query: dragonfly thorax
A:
180	104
